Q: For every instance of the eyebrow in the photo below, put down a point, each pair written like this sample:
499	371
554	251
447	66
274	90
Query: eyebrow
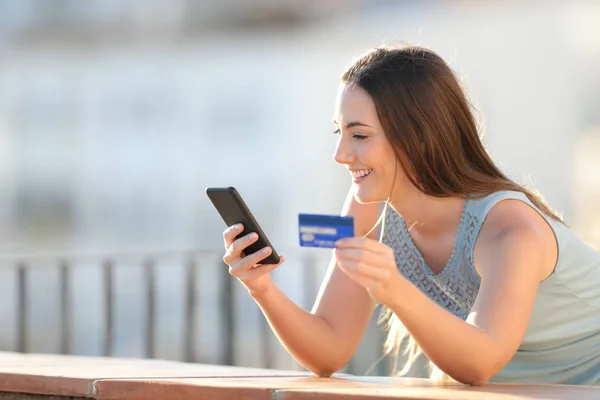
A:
353	124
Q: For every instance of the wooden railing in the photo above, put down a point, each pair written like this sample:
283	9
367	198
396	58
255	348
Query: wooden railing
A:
70	377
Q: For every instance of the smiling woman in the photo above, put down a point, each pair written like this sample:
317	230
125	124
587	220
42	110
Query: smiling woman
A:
367	152
472	268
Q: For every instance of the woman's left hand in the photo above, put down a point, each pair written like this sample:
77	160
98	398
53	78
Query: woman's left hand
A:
372	265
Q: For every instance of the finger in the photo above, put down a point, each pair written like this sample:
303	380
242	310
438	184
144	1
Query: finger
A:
254	273
230	233
240	244
361	254
250	262
258	256
366	270
361	243
229	258
235	250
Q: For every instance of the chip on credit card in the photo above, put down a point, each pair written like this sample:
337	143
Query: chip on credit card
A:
317	230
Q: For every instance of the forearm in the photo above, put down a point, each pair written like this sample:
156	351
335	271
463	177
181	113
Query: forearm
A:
465	352
307	337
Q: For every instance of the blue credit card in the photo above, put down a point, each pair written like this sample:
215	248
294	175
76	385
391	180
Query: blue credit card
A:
317	230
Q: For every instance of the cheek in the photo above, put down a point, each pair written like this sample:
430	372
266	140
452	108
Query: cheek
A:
373	154
388	162
365	155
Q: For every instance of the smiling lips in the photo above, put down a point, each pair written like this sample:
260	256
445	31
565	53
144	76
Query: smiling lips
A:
360	174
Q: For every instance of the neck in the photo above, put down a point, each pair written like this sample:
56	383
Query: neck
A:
431	216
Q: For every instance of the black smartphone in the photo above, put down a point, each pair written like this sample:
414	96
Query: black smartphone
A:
234	210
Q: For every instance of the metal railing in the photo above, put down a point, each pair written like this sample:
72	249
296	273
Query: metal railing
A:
149	261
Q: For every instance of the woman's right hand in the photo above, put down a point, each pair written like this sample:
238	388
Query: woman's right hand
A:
255	277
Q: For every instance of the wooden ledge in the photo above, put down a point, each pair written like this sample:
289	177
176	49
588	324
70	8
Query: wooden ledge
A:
135	379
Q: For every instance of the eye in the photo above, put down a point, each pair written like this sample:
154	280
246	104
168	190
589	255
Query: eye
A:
358	136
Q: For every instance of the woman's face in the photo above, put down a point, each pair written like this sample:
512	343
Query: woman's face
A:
363	147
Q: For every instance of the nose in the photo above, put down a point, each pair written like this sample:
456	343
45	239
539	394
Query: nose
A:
344	154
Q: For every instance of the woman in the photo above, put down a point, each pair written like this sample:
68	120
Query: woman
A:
473	269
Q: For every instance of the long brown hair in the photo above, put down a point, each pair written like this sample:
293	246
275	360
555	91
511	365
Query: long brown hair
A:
427	118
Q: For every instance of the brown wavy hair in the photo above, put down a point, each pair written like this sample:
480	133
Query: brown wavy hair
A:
427	118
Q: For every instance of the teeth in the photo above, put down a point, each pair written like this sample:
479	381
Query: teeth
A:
361	173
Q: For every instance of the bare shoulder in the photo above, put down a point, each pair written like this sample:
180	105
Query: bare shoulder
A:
365	214
514	226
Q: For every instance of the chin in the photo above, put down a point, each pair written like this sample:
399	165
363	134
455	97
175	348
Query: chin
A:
366	196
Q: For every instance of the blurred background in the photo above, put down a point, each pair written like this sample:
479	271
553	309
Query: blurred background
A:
116	115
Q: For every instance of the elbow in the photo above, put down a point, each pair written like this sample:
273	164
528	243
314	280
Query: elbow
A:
324	373
477	375
477	367
481	369
325	370
475	379
472	378
328	364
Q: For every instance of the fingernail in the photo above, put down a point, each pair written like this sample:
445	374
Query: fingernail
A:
265	250
253	236
237	226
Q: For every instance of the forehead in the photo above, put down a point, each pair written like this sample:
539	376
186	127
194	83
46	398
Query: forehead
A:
353	103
